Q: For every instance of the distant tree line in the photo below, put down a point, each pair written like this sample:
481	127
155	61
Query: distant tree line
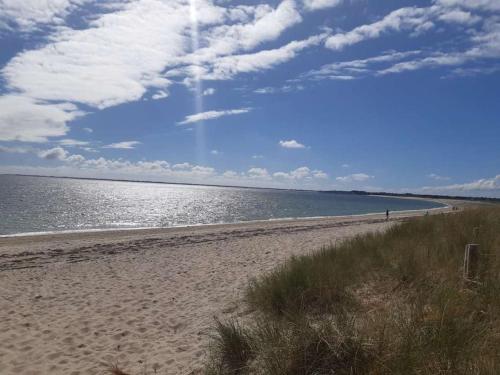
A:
411	195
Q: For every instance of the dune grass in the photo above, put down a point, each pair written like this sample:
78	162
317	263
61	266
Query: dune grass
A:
384	303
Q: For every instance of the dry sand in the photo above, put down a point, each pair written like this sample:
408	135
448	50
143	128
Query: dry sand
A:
75	303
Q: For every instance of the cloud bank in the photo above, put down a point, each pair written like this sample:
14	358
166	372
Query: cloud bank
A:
65	163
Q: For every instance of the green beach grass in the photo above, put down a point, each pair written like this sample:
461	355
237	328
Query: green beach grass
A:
386	303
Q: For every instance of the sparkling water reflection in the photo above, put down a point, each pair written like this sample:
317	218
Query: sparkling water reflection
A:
38	204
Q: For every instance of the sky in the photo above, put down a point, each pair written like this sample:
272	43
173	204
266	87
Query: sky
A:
400	96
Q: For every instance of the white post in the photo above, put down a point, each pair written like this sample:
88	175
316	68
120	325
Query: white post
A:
471	261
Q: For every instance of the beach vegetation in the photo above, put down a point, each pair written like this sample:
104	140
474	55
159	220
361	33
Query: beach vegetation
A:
392	302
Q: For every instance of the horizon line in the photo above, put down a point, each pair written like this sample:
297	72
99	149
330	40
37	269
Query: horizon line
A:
355	192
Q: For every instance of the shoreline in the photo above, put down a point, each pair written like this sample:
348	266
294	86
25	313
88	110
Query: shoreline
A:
77	303
446	205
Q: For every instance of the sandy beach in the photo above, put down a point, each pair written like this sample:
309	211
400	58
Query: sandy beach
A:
75	303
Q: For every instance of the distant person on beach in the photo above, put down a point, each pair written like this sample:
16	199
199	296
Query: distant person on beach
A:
387	215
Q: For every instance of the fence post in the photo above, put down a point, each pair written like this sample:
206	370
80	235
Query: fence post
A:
471	261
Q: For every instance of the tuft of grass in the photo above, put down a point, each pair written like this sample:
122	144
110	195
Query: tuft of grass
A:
382	303
302	284
231	349
307	347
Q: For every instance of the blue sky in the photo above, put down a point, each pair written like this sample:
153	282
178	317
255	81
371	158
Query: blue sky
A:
322	94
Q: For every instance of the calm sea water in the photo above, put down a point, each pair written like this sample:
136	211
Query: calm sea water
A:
40	204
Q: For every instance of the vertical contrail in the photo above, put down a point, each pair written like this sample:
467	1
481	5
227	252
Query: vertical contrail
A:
198	89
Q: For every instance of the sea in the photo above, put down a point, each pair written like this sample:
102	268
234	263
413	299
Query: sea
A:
48	204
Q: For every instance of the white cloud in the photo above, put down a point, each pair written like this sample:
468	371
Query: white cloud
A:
357	68
282	89
438	59
209	91
88	130
321	4
319	174
159	95
460	17
56	153
265	90
215	152
483	32
112	62
29	14
74	159
211	115
142	46
221	58
298	173
260	173
491	5
137	47
28	120
473	71
230	174
65	164
484	48
115	60
72	142
202	171
292	143
356	177
415	20
257	156
125	145
437	177
227	67
486	45
182	166
15	150
483	184
409	18
267	25
345	165
342	77
301	173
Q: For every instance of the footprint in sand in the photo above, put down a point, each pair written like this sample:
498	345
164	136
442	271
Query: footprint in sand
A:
176	327
120	336
53	356
68	340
